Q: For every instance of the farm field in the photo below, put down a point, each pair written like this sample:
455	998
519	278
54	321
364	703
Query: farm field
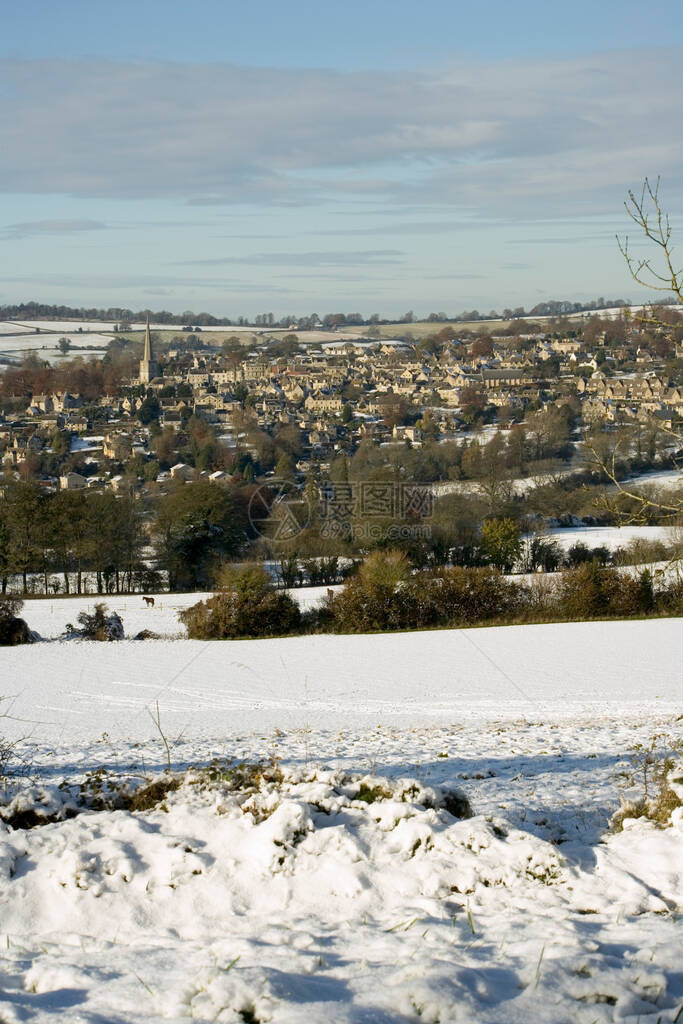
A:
16	339
334	884
612	537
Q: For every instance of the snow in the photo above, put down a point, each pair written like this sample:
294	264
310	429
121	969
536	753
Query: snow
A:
9	327
284	895
49	616
66	327
519	485
140	325
46	345
48	340
665	479
611	537
86	444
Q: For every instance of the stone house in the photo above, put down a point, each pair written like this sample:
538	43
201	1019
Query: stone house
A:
72	482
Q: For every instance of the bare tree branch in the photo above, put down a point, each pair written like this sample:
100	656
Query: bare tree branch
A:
646	212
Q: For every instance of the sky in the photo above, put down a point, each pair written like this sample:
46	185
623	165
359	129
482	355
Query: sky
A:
310	157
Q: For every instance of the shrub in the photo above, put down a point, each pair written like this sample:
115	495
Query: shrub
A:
289	571
384	595
501	543
658	773
13	630
384	570
475	595
6	750
329	569
639	552
542	554
322	570
581	554
376	597
247	604
670	599
361	609
591	591
468	555
98	625
9	610
634	595
582	593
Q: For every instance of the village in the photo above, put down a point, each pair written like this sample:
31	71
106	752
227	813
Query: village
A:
327	397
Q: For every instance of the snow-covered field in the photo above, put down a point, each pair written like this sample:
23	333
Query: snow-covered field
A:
328	888
49	616
662	479
45	345
519	486
78	326
611	537
21	342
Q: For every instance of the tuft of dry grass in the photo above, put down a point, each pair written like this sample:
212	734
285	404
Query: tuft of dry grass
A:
661	778
146	798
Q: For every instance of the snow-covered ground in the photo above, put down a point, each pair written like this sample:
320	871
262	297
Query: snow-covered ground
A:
86	444
611	537
10	327
49	616
67	326
662	479
519	485
321	894
16	345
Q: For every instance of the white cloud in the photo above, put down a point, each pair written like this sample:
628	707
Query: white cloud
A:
341	258
544	136
32	228
136	281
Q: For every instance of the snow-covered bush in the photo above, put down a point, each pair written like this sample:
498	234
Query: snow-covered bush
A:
13	630
99	624
661	778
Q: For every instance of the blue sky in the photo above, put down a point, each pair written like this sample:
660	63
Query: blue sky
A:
315	157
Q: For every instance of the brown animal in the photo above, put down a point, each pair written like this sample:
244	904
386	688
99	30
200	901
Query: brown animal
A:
148	601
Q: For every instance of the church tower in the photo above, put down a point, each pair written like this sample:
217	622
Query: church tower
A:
148	364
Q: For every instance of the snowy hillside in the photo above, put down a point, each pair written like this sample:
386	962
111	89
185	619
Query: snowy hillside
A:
338	882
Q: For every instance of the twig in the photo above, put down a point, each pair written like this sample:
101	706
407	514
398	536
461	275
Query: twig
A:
157	721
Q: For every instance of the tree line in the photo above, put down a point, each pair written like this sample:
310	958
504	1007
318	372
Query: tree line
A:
124	317
53	542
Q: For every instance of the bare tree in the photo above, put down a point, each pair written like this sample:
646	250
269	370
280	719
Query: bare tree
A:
659	273
629	504
646	212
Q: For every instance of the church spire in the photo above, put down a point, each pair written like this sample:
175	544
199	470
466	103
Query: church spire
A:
147	354
148	365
